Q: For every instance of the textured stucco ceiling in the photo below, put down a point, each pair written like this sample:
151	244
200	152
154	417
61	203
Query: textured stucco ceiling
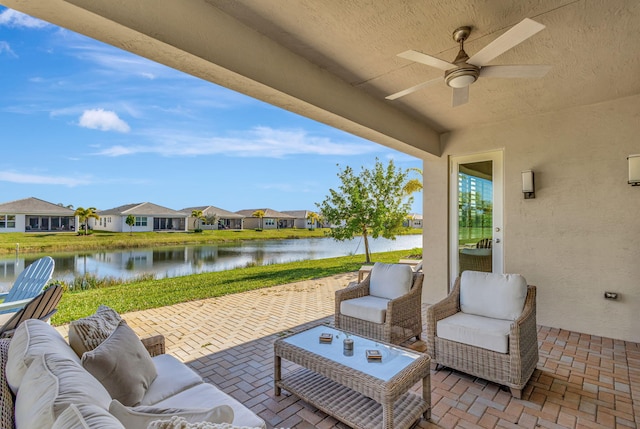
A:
335	60
589	43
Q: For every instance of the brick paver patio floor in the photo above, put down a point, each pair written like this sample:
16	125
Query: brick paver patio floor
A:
582	381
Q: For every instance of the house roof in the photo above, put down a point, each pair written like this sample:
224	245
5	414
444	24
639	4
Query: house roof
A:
213	211
341	58
142	209
269	213
298	214
35	206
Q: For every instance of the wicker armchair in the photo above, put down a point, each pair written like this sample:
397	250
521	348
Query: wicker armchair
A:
475	260
403	318
512	369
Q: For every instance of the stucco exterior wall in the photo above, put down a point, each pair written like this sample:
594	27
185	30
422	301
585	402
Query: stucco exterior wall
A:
20	224
580	236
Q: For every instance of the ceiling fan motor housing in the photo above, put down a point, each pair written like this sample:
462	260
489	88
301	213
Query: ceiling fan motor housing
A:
464	74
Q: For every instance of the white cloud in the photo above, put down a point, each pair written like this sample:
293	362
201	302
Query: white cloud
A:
260	142
104	120
5	47
35	179
15	19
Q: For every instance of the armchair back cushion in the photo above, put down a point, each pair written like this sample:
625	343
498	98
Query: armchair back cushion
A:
498	296
390	281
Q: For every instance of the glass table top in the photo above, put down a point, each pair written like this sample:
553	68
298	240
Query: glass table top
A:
393	359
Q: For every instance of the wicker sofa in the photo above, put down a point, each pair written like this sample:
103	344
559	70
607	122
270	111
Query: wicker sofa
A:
386	305
45	384
476	330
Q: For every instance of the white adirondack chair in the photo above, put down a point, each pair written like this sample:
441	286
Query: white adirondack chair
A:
28	285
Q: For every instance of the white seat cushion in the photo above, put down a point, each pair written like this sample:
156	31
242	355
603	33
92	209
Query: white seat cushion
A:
478	331
173	377
86	416
369	308
205	396
499	296
477	252
390	281
141	416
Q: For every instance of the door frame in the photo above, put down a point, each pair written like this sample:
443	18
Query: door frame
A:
497	227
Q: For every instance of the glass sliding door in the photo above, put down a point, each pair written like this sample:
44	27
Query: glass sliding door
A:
476	213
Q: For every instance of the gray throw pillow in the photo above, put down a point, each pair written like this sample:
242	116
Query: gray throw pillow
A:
122	365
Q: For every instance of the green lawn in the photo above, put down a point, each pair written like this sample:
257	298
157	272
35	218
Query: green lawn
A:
68	241
158	293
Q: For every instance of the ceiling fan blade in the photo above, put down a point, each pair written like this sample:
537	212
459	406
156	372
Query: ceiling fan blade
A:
460	96
517	71
517	34
419	57
413	89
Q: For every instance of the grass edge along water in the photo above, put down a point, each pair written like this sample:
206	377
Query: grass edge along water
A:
148	294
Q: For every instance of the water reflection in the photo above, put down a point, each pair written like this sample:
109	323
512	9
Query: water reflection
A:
184	260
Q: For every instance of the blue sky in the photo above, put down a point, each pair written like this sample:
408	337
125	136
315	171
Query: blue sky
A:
87	124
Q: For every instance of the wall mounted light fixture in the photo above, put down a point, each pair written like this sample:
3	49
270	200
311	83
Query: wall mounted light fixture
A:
634	170
528	185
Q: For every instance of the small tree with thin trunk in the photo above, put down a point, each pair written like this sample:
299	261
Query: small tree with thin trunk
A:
85	214
131	220
212	220
260	215
373	203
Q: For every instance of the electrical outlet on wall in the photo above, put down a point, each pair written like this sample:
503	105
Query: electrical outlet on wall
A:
611	295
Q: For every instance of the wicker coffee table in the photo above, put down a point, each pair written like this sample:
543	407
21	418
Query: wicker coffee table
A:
361	393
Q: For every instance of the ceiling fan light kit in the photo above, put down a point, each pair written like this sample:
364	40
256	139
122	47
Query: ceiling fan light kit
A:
465	70
461	76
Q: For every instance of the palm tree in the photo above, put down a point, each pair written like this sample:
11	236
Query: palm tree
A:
197	215
314	218
413	185
259	214
84	215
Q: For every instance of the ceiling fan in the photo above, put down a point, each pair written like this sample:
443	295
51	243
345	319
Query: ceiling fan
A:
465	70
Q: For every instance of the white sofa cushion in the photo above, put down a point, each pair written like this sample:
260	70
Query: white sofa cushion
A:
478	331
499	296
140	417
204	396
173	377
123	365
370	308
32	338
50	385
390	281
86	416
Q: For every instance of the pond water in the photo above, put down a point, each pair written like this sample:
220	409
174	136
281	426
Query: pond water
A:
177	261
